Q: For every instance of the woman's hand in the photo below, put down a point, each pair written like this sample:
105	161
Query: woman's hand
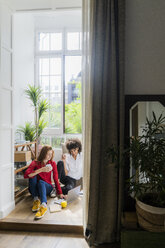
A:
63	157
42	169
62	196
46	169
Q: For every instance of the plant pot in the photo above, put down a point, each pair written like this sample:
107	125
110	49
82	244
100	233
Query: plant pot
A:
150	218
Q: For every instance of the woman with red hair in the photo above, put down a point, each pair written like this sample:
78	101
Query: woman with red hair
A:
40	185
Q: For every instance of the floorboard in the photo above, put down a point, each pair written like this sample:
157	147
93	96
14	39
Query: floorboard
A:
22	218
39	240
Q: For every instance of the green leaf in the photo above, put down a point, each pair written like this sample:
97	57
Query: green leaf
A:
43	107
28	131
34	94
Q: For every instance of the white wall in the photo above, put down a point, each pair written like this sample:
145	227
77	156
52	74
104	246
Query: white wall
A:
145	47
23	66
58	19
6	117
20	5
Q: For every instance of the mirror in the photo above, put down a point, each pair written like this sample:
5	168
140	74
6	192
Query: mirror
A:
139	112
137	108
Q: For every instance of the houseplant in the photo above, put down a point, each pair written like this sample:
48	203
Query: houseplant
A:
28	131
147	183
40	105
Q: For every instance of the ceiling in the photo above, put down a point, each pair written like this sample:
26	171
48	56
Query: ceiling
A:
38	5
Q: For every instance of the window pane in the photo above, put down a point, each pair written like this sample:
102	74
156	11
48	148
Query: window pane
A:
55	66
56	41
73	41
74	136
55	110
44	41
45	115
55	84
57	141
45	140
44	83
80	41
73	94
44	66
46	96
50	81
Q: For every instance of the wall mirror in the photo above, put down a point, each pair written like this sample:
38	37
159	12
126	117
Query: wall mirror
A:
137	108
139	112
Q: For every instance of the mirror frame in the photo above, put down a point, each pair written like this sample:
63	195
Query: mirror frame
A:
130	100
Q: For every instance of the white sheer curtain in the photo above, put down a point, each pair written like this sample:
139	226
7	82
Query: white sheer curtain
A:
87	106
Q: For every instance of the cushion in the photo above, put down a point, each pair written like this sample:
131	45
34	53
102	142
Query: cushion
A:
64	149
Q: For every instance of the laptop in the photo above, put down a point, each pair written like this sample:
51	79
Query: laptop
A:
73	194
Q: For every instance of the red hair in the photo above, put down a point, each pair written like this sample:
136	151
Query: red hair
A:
43	153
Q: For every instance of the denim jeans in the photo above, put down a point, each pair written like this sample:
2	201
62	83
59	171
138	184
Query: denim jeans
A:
39	188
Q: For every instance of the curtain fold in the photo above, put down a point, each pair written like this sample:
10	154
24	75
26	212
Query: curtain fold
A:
86	106
103	116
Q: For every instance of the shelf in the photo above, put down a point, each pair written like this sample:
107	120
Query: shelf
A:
20	192
21	169
25	144
34	152
23	149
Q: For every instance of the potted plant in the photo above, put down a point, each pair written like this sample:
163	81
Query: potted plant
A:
147	184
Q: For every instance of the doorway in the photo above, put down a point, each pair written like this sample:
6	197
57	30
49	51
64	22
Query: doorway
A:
57	70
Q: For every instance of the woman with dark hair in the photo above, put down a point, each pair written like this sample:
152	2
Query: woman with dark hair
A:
39	174
70	168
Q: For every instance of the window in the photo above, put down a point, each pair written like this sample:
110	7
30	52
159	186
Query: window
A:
50	41
74	41
73	94
58	72
50	79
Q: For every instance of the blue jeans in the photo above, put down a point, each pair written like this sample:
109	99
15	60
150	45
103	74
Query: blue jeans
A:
39	188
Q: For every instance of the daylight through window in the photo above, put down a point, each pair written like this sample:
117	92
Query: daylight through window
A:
58	72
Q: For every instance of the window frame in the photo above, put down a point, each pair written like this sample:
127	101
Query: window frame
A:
52	54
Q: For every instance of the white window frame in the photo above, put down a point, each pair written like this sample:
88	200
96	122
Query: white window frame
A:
47	54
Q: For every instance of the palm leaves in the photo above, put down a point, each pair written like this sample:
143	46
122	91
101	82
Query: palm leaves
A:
32	132
28	131
43	107
41	126
34	94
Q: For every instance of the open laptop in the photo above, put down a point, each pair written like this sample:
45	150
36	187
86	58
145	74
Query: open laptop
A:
73	194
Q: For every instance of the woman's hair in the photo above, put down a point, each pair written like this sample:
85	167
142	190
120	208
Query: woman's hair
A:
43	153
73	144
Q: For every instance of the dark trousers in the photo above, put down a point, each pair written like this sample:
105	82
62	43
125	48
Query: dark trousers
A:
69	182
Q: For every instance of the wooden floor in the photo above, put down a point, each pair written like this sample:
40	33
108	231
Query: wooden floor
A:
39	240
68	220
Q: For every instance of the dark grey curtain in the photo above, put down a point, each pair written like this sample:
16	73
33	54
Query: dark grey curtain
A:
107	80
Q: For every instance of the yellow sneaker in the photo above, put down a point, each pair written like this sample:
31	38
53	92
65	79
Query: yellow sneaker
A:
41	212
36	205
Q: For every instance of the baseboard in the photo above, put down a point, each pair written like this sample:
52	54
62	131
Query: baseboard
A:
7	209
